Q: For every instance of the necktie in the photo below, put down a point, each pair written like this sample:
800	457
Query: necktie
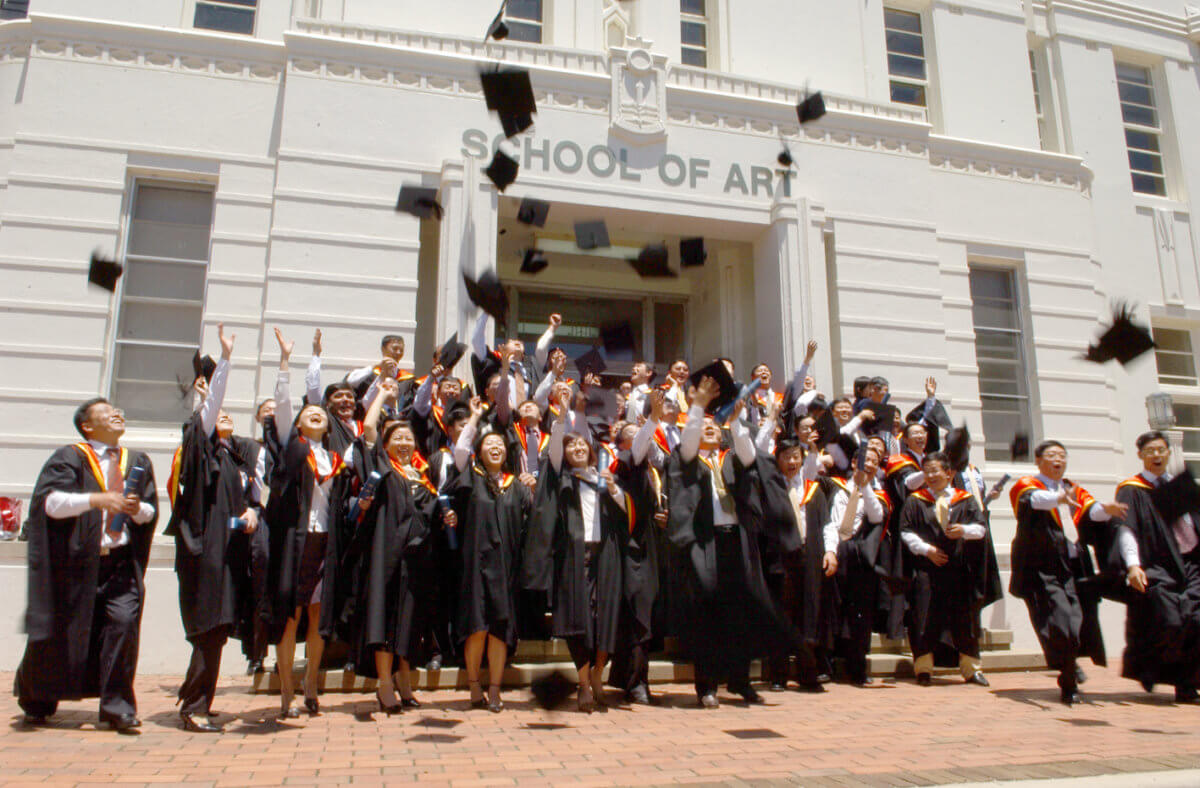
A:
942	508
1183	528
846	526
796	496
114	481
719	482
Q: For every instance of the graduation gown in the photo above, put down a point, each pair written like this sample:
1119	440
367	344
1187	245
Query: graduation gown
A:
1162	626
61	659
288	512
211	489
945	601
707	625
389	559
890	561
491	526
554	559
859	585
1061	591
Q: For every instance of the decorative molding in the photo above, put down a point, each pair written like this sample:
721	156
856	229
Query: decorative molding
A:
971	157
199	64
1121	14
345	239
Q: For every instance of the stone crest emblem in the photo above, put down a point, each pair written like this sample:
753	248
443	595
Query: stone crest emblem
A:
639	95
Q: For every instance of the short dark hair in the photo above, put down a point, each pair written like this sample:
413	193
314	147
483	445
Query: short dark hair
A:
878	380
1041	448
395	425
910	425
333	388
760	364
786	444
81	413
1152	435
839	401
860	384
390	338
940	457
258	408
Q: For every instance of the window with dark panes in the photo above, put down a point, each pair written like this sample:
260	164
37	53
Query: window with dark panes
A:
1143	131
161	300
1174	355
228	16
693	33
14	9
908	77
1000	357
524	20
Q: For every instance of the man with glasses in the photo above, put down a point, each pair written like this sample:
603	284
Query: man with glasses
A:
1052	569
89	540
1160	555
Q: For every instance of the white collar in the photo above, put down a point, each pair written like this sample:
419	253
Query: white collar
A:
99	447
1154	478
1050	483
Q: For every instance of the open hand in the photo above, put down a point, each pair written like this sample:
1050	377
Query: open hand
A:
285	347
226	341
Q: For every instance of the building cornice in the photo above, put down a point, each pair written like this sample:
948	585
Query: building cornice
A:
1122	14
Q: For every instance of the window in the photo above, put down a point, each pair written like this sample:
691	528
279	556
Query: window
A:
162	301
14	9
693	33
909	81
1000	356
228	16
1187	420
1142	129
1175	358
524	20
1037	100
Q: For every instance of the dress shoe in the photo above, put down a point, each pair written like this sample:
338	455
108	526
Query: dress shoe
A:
777	686
288	712
862	681
1069	696
312	705
435	663
1186	694
254	667
410	703
811	686
36	719
709	701
386	705
751	696
824	678
1148	685
639	695
1080	676
121	722
192	725
978	678
924	679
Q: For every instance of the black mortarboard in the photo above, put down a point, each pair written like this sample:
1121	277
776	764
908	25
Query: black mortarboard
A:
591	235
785	157
827	428
885	416
937	414
1177	497
497	29
488	294
534	261
510	94
811	108
1019	448
652	261
420	201
617	337
457	410
1124	340
104	273
691	252
203	365
552	690
590	361
601	404
533	211
451	352
720	373
958	447
503	170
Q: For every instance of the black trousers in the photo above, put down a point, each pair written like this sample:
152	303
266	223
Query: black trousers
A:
720	656
254	635
200	683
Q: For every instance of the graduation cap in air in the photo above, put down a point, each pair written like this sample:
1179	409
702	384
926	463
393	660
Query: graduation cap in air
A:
457	410
601	404
785	157
1019	448
420	201
503	170
509	93
497	29
533	211
692	252
451	352
652	261
551	690
617	337
885	416
590	361
811	108
958	447
1177	497
720	373
1124	340
203	366
104	273
534	261
591	235
937	414
488	294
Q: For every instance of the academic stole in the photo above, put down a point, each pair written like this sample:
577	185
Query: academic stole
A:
1083	500
800	499
93	463
719	481
336	464
956	497
543	441
506	479
412	472
401	375
173	482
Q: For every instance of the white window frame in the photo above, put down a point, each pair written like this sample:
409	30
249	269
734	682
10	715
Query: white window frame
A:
1182	393
540	24
925	84
115	341
705	21
189	10
1157	132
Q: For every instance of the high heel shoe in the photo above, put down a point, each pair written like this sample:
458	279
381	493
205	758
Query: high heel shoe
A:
477	702
311	703
388	708
495	705
587	703
287	711
191	725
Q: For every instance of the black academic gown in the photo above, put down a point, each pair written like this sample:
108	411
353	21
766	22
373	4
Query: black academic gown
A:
213	477
890	560
287	514
390	563
1162	626
1061	590
555	554
859	583
641	579
945	601
723	622
491	532
61	658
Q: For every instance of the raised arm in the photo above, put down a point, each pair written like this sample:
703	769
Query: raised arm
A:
478	345
689	439
423	401
555	447
543	343
743	446
466	438
503	405
283	391
312	377
388	390
216	390
801	373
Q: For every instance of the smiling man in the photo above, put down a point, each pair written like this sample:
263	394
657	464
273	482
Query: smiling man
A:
88	546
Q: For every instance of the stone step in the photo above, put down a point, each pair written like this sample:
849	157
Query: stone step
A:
521	674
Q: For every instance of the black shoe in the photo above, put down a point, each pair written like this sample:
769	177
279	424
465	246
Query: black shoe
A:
979	678
824	678
36	719
1080	676
777	686
1069	696
1186	694
254	667
481	701
388	708
1148	685
709	701
312	705
639	695
924	679
192	726
811	686
751	696
120	722
862	681
435	663
410	703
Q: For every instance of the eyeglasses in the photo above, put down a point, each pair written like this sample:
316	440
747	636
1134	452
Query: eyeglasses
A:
1155	451
1054	455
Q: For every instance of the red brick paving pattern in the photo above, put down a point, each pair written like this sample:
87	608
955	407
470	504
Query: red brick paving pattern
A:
889	734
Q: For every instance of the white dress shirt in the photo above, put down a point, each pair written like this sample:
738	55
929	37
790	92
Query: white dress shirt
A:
868	508
1126	541
318	508
62	505
918	546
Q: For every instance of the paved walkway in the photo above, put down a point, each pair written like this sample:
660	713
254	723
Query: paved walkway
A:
888	734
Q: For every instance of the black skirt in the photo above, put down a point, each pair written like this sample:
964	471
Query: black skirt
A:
312	569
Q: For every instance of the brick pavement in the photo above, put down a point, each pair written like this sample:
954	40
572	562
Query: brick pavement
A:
889	734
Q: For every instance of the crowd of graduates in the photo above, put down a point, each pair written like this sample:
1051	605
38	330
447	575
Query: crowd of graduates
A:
395	522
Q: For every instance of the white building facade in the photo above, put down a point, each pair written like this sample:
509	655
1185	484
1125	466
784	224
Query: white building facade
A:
989	175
